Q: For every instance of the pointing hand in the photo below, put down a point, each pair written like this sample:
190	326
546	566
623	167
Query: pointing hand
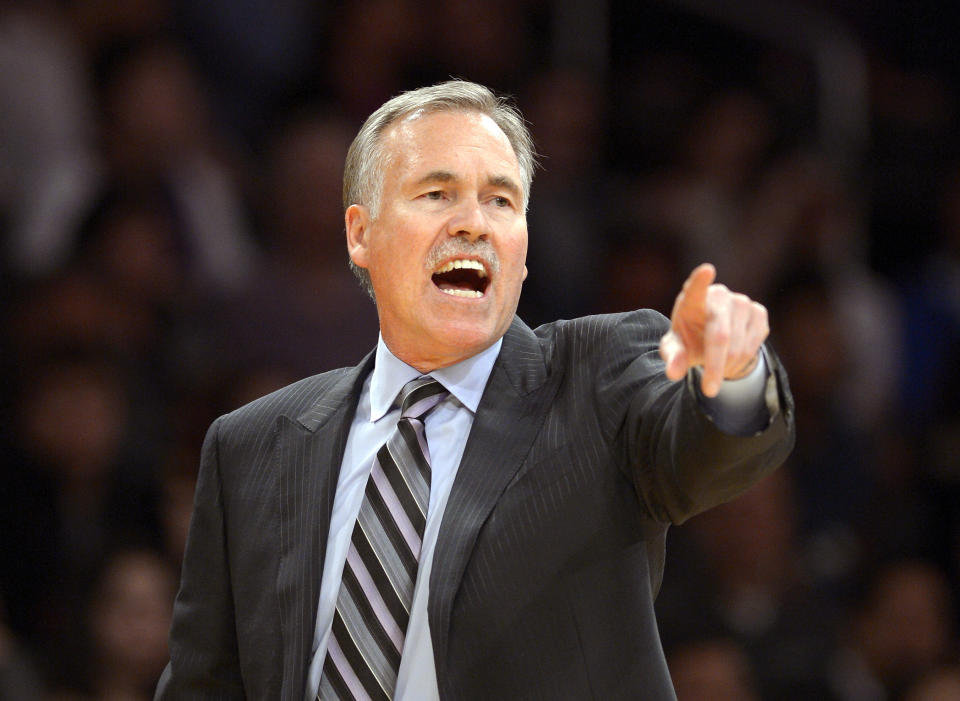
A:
715	328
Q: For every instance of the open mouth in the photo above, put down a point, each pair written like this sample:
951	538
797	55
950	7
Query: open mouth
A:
462	278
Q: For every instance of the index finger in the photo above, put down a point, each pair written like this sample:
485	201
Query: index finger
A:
694	293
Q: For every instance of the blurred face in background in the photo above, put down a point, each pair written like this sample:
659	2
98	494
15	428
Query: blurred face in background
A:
130	616
906	627
712	670
74	416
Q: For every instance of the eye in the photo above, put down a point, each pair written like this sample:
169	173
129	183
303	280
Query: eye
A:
434	195
501	201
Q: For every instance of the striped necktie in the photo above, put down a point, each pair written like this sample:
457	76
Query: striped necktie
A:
373	606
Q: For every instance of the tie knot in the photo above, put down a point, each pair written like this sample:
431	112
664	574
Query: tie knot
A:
419	396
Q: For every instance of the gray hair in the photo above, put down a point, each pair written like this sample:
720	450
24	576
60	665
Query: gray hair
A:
367	160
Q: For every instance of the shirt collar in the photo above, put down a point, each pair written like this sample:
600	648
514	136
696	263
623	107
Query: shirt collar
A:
465	380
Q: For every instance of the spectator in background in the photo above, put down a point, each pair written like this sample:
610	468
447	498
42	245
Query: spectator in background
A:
170	235
133	244
253	54
740	571
731	196
656	92
901	629
125	293
49	164
712	669
129	619
929	400
932	330
567	224
101	23
301	309
942	684
803	215
487	40
74	308
130	241
641	268
701	196
126	619
390	36
73	491
157	132
833	464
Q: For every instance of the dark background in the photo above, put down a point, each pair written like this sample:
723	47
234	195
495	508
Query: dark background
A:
173	247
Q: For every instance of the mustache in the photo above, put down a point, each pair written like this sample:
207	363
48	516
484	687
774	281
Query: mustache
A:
459	247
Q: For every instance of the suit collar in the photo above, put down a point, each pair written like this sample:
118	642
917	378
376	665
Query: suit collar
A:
521	358
308	462
332	402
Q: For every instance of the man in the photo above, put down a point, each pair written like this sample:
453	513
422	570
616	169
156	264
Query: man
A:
554	459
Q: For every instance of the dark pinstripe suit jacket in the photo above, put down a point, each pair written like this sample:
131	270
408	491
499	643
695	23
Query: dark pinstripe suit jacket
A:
551	548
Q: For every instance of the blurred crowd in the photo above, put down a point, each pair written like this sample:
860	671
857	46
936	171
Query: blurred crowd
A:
173	247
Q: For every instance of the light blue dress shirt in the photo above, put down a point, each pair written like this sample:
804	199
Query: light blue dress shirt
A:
447	428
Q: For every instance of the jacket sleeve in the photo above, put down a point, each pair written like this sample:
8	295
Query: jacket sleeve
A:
681	462
204	661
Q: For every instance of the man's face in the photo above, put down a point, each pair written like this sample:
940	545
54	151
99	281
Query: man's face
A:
446	252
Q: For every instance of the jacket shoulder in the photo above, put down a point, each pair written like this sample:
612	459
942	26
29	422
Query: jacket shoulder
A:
597	338
290	401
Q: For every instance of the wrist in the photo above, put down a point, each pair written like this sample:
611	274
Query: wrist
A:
746	370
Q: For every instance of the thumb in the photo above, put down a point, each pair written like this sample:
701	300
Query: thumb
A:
674	354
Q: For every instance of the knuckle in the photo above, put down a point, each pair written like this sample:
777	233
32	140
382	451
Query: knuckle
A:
744	305
720	336
718	291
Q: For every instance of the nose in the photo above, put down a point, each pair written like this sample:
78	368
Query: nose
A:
468	220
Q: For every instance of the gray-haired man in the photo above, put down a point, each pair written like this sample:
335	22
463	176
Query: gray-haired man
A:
499	531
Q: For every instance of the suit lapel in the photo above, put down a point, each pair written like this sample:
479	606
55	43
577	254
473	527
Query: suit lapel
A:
508	419
309	453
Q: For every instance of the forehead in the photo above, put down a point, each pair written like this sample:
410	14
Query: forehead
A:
452	140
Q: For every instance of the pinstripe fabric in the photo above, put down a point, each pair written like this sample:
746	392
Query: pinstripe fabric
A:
373	606
551	546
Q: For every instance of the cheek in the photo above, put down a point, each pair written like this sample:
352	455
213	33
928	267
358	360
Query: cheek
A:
519	260
397	275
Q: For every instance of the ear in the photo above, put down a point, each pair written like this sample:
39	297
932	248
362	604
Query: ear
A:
524	273
357	220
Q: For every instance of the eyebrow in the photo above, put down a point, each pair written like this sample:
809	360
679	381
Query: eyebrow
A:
445	176
437	176
506	183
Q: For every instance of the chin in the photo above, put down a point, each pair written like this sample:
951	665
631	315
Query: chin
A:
470	337
467	337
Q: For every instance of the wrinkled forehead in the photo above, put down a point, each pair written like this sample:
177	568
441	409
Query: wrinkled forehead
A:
424	135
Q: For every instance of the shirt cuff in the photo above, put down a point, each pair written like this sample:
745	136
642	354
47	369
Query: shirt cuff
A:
740	407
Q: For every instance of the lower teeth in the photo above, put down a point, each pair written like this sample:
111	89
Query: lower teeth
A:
463	293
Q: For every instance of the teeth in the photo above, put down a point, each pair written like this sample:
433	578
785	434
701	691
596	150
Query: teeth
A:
462	263
463	293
